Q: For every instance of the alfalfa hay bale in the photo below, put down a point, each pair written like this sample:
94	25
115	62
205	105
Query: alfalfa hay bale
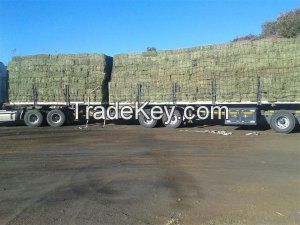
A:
86	74
236	67
3	83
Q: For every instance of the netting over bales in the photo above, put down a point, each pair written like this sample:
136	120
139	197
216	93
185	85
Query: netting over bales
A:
86	74
236	68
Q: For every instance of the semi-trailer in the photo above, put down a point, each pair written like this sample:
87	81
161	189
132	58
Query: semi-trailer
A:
254	82
282	117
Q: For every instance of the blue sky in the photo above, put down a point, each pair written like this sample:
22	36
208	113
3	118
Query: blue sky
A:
83	26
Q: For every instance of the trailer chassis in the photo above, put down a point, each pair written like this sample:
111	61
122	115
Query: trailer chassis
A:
283	117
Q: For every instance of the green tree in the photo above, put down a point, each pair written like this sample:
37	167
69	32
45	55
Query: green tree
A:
269	28
297	14
287	25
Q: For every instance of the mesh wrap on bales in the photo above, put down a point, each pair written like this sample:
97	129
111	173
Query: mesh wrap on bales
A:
86	74
3	83
236	68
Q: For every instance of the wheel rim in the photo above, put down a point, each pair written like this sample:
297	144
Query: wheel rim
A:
282	122
173	121
33	118
148	121
56	118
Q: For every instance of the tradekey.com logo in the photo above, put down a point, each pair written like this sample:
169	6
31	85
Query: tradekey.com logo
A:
156	112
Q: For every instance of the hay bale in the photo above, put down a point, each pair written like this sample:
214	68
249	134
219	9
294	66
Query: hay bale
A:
86	74
3	83
236	68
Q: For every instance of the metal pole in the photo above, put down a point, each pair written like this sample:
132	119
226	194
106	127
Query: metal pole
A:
67	94
213	92
259	91
34	95
174	91
139	93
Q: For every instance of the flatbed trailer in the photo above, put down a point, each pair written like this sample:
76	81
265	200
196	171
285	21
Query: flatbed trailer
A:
265	72
283	117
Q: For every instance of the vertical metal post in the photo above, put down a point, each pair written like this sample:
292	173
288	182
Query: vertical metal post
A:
213	92
139	93
174	91
34	95
67	94
259	91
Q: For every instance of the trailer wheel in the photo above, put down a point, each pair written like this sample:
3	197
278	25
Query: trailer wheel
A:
283	121
148	123
175	122
33	118
56	118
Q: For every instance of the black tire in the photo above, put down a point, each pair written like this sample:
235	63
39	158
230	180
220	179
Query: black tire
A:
145	122
283	121
56	118
33	118
176	120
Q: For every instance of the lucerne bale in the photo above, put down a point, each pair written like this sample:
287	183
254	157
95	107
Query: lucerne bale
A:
235	67
87	76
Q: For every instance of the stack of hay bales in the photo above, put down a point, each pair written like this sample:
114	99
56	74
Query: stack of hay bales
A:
236	67
3	83
86	74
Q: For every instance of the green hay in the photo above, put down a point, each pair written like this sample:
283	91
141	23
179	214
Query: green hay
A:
86	74
236	68
3	83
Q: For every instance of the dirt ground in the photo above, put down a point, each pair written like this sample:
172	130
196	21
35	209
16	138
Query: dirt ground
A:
131	175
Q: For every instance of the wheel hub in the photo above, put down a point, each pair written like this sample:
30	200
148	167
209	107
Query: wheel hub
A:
33	118
150	121
173	120
56	118
282	122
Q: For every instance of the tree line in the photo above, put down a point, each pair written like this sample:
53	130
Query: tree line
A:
287	25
